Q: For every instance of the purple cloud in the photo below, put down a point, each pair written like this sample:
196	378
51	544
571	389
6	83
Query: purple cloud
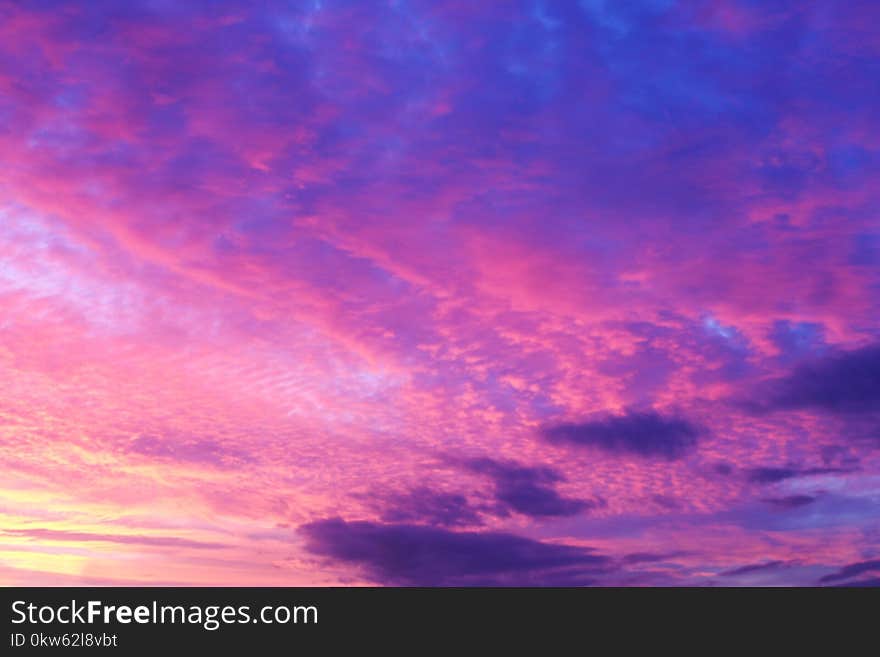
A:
528	490
845	382
647	434
424	505
414	555
851	571
790	502
772	475
753	568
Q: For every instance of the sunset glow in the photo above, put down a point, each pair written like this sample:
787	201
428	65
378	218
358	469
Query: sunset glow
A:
440	293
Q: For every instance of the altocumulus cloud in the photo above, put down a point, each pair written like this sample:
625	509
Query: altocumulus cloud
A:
645	433
415	555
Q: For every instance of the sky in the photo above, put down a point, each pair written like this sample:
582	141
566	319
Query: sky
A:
440	293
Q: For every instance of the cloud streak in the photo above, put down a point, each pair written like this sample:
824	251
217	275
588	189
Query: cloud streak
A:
852	571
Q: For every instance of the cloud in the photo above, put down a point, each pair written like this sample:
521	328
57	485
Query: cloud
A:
772	475
790	502
647	434
753	568
852	570
647	557
870	582
528	490
826	512
423	505
845	382
205	451
517	488
414	555
73	536
797	340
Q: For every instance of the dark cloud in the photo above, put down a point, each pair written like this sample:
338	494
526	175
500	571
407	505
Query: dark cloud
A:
753	568
518	488
790	502
423	505
842	383
415	555
772	475
826	511
852	570
647	557
871	582
528	490
644	433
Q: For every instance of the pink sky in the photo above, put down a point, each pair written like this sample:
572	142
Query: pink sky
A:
439	293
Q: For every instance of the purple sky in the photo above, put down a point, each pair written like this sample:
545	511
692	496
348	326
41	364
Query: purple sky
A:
440	292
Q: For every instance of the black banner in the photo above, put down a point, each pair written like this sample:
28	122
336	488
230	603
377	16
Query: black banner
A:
134	620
